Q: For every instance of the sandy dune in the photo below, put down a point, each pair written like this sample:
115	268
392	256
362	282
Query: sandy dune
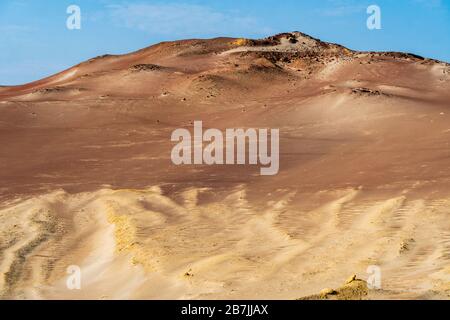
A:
364	177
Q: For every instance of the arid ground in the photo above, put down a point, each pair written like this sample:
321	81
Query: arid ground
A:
86	176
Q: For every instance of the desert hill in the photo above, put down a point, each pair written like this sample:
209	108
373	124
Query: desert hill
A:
364	174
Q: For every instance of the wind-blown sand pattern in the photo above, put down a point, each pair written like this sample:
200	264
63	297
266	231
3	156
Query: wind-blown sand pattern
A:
364	176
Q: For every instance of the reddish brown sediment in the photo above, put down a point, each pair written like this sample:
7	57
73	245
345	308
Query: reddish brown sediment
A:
87	179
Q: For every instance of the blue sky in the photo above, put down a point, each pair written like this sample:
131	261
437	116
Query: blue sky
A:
34	40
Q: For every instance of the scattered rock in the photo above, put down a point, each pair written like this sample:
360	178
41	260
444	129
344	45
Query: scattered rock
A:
351	279
405	245
293	39
353	289
59	89
367	91
327	291
189	274
100	57
49	90
145	67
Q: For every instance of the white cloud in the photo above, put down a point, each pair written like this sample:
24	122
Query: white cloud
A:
13	28
340	8
343	11
429	3
178	19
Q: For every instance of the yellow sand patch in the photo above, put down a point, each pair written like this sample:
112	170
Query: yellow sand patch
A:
125	236
241	42
353	289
